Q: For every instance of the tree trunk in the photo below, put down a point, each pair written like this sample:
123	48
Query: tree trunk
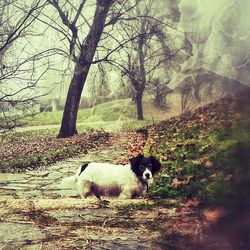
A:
139	106
88	49
196	92
68	125
142	73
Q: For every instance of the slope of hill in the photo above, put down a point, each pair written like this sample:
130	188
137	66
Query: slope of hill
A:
205	153
123	110
205	157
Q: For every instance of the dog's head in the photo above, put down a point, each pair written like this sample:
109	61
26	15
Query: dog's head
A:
145	167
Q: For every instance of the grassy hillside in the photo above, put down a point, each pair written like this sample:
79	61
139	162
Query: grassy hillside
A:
122	110
103	112
205	153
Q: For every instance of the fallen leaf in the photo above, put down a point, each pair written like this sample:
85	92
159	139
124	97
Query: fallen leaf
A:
213	214
192	203
178	183
209	164
170	212
228	177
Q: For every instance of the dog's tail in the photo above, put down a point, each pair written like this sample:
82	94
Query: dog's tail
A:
69	181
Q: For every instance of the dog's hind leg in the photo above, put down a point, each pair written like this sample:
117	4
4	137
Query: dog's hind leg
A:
95	191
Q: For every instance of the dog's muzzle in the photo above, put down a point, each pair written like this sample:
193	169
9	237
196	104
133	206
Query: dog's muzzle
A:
147	175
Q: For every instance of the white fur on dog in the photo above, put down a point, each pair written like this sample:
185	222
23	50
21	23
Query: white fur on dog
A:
108	180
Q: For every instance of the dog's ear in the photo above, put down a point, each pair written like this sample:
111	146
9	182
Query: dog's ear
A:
134	162
155	163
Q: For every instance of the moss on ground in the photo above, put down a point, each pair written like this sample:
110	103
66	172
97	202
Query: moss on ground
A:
146	205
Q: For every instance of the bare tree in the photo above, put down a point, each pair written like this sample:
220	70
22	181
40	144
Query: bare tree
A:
160	91
148	49
20	71
140	32
83	47
187	98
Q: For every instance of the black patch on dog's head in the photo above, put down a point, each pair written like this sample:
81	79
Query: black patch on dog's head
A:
140	163
83	167
156	165
135	163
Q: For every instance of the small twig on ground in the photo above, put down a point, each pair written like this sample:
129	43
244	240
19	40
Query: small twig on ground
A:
113	217
19	222
198	232
104	223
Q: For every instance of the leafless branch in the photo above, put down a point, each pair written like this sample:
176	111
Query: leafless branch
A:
23	24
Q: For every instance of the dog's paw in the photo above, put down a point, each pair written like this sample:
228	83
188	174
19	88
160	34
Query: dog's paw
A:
104	204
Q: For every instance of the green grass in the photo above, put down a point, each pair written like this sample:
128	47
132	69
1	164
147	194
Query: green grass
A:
111	116
227	148
232	158
110	111
113	126
150	204
120	114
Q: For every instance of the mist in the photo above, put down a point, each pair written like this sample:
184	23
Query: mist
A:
223	28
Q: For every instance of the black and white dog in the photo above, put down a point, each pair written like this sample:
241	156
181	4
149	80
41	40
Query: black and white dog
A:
125	181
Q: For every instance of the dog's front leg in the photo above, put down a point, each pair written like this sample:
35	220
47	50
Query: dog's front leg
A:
126	193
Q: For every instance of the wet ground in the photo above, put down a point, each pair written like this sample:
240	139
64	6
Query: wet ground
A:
37	212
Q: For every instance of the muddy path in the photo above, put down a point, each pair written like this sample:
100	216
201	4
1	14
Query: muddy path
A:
36	212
